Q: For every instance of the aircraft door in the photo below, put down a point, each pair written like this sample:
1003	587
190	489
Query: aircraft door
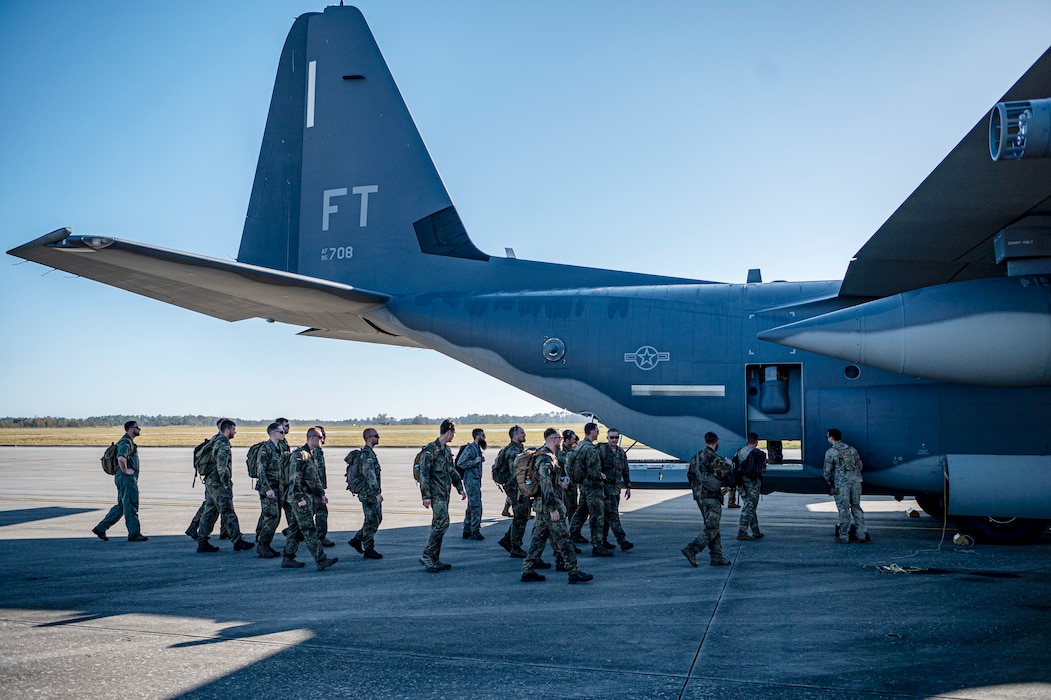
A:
775	410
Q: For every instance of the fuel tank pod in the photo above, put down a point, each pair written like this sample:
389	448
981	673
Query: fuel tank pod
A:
992	332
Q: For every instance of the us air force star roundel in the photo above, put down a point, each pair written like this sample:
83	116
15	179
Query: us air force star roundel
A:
646	357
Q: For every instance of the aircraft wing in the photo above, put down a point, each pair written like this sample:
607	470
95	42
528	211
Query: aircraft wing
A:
943	232
231	291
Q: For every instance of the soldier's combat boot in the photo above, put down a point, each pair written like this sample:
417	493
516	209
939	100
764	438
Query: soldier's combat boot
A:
690	555
625	546
477	536
742	535
371	553
580	539
758	535
355	542
428	563
601	552
442	566
323	564
543	564
137	537
532	576
206	547
517	552
507	511
224	536
839	540
292	563
264	550
505	542
607	544
326	542
580	577
243	545
101	534
720	561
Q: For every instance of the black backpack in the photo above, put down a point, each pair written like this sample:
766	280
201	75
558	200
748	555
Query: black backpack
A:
752	467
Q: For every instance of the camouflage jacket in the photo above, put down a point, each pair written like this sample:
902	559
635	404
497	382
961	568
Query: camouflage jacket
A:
319	460
565	459
436	471
127	449
369	466
268	468
615	466
303	483
704	463
549	476
843	463
587	451
221	475
469	457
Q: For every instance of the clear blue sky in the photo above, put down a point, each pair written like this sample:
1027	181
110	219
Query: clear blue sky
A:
694	139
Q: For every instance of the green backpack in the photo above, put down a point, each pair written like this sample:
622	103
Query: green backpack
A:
416	462
204	458
253	456
355	480
109	459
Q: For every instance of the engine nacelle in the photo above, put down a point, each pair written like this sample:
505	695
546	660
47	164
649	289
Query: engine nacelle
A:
1020	130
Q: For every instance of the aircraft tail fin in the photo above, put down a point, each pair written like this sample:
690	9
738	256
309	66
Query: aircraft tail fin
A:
345	189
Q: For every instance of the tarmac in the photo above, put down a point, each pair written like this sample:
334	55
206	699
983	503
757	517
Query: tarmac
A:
795	616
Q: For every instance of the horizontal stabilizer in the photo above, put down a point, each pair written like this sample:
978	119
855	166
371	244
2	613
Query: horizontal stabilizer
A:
222	289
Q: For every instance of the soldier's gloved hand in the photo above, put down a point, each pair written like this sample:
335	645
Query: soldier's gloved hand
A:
463	495
627	493
270	494
324	499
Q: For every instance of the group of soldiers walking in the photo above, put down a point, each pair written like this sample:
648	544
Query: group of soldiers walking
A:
577	482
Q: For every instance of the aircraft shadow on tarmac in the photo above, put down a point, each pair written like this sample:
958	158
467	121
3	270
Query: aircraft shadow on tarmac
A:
794	616
28	515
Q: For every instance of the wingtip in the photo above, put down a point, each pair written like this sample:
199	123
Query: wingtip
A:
56	236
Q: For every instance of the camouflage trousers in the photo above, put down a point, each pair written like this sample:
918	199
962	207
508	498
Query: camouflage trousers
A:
848	502
127	505
712	513
373	511
321	518
219	502
195	524
520	507
269	518
592	505
439	524
749	490
472	483
301	528
611	506
570	497
545	529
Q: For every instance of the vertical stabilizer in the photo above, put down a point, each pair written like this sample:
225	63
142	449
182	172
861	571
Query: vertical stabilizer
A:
345	189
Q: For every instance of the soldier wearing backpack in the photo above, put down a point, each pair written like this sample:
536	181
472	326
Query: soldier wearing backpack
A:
565	457
592	502
550	515
503	474
469	465
749	463
126	478
842	471
271	493
436	478
708	473
195	523
218	493
369	492
302	487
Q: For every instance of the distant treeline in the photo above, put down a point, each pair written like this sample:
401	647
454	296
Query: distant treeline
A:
199	421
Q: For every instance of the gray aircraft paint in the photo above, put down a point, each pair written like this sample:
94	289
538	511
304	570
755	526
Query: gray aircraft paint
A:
351	234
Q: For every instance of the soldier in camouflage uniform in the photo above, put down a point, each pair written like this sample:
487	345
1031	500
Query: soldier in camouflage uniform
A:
371	497
321	507
126	480
218	494
843	473
708	473
615	467
550	516
592	502
302	488
271	491
565	457
436	478
195	524
503	474
469	465
749	489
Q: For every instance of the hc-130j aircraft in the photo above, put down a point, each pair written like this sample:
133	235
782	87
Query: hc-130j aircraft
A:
933	355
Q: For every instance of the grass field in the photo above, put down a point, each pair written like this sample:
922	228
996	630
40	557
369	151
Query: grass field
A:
337	436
